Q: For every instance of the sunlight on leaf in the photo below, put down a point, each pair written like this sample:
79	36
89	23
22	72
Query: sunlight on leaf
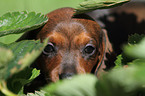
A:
18	22
6	56
90	5
25	52
81	85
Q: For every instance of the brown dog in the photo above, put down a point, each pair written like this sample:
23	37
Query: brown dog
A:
77	45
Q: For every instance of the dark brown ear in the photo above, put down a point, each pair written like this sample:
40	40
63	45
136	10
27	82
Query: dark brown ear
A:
83	16
107	54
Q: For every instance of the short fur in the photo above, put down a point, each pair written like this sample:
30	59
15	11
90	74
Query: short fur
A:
70	34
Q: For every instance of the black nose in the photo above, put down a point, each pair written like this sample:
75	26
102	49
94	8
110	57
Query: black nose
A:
66	75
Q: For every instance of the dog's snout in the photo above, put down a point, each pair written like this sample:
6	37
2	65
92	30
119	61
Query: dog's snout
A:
66	75
68	66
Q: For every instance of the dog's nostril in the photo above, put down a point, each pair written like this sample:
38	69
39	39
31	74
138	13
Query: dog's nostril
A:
66	75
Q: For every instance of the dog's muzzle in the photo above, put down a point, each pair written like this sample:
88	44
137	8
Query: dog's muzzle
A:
66	76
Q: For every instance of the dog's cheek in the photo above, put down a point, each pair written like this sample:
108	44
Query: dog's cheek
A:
82	66
86	66
50	66
54	75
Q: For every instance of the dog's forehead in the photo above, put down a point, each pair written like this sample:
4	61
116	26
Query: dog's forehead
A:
70	28
75	40
72	34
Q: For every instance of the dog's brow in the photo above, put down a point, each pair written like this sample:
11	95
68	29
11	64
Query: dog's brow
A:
57	38
70	35
82	39
70	29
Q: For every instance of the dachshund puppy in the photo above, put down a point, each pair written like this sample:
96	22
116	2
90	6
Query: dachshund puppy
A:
77	45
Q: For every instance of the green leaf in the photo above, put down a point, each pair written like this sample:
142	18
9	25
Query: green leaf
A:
25	52
136	50
18	22
90	5
128	81
5	57
17	81
118	61
81	85
10	38
137	62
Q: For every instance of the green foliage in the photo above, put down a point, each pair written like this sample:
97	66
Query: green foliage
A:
82	85
126	81
17	22
90	5
19	56
24	53
7	39
18	80
123	82
5	57
15	59
79	86
8	56
118	61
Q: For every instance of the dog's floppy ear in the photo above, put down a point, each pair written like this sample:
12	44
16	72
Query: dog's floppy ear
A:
107	55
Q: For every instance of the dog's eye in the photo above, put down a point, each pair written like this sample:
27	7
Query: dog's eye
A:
49	49
89	49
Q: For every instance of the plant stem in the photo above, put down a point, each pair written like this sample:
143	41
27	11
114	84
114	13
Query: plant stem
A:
4	89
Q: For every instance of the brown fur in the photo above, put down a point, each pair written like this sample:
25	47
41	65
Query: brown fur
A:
70	35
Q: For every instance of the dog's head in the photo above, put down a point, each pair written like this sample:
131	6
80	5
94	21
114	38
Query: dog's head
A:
75	46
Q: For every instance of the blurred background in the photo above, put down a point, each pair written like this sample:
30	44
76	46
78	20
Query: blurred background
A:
43	6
